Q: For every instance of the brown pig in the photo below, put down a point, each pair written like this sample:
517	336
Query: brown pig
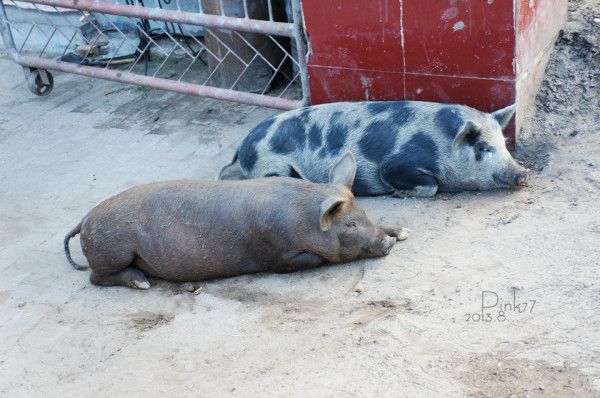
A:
194	230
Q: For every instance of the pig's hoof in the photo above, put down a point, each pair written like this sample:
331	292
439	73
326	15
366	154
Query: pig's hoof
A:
403	234
398	233
129	277
140	284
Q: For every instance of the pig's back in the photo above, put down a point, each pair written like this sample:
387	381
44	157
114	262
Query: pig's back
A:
313	139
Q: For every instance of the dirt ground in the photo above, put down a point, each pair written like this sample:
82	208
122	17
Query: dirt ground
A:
410	324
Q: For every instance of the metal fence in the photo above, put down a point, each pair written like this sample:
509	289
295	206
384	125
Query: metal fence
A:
248	51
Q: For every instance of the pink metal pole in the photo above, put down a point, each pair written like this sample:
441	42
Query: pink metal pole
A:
188	18
154	82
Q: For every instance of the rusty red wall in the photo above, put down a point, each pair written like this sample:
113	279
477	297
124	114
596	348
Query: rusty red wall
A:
537	23
461	51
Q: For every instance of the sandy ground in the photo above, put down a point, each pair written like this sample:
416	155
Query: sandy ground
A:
408	324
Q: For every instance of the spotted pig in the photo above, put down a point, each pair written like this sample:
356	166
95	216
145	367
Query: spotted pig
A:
402	147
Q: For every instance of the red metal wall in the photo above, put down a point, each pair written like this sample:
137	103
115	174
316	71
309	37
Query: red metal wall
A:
538	22
460	51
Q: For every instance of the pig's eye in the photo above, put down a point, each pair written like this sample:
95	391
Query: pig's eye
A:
351	224
480	150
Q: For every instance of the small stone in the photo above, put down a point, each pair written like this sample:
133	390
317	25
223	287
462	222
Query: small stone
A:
541	388
197	291
573	133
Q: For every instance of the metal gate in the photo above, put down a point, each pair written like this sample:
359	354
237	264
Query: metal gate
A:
256	58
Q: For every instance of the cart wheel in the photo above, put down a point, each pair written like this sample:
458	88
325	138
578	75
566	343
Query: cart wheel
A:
40	82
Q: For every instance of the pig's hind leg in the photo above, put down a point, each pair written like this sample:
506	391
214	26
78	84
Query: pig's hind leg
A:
269	165
113	266
408	179
129	277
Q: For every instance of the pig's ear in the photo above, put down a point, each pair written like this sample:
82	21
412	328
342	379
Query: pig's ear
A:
503	116
328	208
467	135
344	171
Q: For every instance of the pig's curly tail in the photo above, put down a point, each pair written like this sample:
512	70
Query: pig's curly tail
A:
71	234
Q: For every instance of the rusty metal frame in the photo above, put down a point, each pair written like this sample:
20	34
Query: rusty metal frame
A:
293	30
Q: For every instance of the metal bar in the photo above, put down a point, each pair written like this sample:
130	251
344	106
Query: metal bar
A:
243	71
198	54
246	9
149	38
215	69
163	62
91	45
177	44
69	44
255	50
204	48
116	52
27	37
222	43
283	50
187	18
142	52
270	5
289	85
7	36
268	85
43	14
154	82
47	42
301	49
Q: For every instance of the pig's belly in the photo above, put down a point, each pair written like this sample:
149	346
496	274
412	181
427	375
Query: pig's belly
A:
192	256
189	269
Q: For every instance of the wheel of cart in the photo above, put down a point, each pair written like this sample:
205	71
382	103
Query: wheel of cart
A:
40	81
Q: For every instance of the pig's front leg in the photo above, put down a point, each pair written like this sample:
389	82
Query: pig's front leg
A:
298	261
420	191
408	179
398	233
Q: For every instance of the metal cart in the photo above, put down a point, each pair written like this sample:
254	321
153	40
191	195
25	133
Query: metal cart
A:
237	50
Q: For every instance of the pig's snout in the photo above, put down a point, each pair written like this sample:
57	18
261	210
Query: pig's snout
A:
379	246
516	176
522	178
386	245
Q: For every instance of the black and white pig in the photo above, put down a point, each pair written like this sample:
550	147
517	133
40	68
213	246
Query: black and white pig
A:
403	147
